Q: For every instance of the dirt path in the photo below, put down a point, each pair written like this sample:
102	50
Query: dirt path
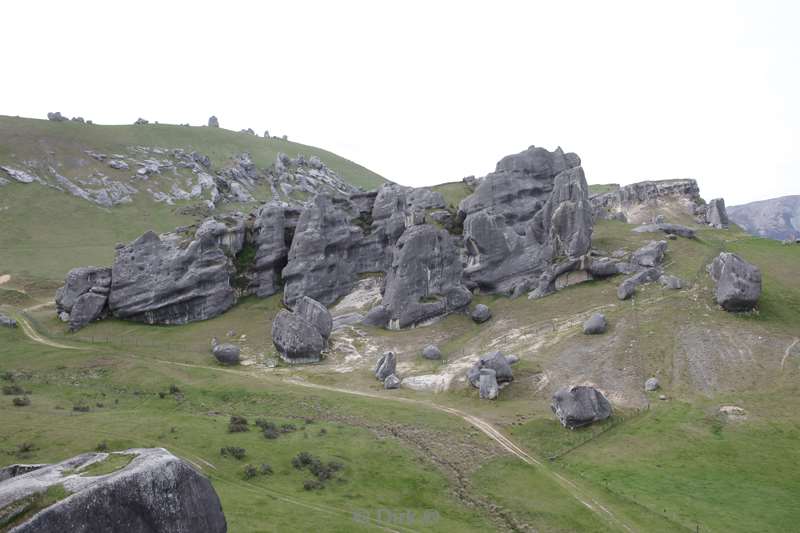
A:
485	427
788	352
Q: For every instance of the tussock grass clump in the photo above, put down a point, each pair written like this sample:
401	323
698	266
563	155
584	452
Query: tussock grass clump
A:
238	424
12	390
233	451
21	401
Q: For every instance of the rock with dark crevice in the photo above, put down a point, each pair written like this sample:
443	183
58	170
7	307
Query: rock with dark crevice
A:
84	296
386	366
738	282
580	406
497	362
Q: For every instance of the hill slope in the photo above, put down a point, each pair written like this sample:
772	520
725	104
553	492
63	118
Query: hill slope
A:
777	218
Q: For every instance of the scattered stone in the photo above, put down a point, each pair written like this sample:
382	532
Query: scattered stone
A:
227	354
595	325
651	384
670	282
487	385
213	122
651	254
431	352
481	314
669	229
580	406
155	492
391	382
732	412
662	397
628	287
738	282
387	365
118	164
497	362
56	117
7	321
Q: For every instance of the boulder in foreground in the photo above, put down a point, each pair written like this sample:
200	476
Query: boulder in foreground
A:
738	282
580	406
155	493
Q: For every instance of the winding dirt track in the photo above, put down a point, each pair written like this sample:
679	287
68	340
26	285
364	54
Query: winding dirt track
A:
490	431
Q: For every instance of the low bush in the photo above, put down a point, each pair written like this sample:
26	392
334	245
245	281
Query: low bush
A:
249	471
312	484
288	428
80	408
237	424
11	390
101	447
233	451
265	469
21	401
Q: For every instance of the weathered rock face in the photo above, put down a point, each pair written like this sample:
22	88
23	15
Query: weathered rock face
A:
580	406
425	278
487	384
595	325
84	296
738	282
167	280
316	314
386	366
322	261
669	229
716	215
532	209
273	229
651	254
155	493
228	232
635	203
296	339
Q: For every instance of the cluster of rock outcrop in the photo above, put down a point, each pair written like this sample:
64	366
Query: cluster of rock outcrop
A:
302	334
490	373
155	493
7	321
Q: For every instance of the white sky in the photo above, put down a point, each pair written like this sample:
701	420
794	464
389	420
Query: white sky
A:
426	92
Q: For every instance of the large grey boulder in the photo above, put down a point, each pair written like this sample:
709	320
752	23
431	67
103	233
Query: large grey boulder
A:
651	384
716	215
579	406
424	281
596	324
533	209
316	314
296	339
386	366
627	288
155	493
650	255
431	352
7	321
391	382
497	362
481	314
84	296
171	280
738	282
227	354
487	384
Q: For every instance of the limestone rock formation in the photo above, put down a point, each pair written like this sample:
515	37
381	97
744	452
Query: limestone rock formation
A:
227	354
481	314
596	324
487	384
579	406
738	282
391	382
531	210
495	361
636	203
213	122
386	366
171	280
302	334
273	229
316	314
424	281
155	493
716	216
84	296
627	288
670	282
7	321
56	117
650	255
431	352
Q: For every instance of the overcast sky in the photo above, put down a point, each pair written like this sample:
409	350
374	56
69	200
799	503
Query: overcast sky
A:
426	92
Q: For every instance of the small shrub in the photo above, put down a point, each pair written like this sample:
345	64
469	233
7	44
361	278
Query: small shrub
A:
309	421
302	460
173	389
7	376
288	428
249	471
312	484
237	424
323	431
271	433
25	448
99	405
233	451
21	401
263	423
11	390
265	469
80	408
162	394
101	447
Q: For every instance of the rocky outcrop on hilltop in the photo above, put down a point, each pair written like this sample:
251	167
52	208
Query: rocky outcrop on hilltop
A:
738	282
155	493
636	203
532	210
716	215
777	218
